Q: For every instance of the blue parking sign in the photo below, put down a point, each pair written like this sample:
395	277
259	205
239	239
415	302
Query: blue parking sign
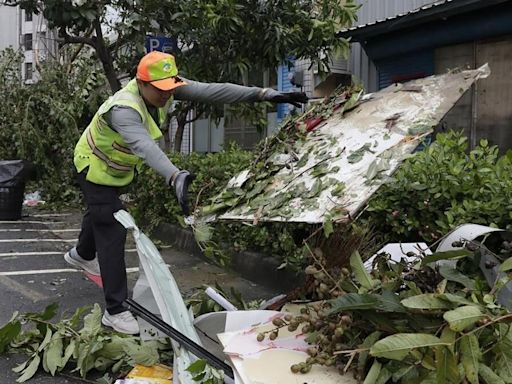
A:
161	43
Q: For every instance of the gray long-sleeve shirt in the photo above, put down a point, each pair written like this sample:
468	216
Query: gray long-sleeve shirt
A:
128	123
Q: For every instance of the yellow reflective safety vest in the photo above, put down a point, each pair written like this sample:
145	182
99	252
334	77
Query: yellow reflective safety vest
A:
103	150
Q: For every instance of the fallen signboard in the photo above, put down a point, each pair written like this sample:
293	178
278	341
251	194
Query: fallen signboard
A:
332	172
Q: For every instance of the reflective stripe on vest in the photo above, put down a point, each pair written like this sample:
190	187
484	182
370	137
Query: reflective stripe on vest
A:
102	156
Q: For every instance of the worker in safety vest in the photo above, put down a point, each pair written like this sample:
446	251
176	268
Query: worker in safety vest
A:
121	137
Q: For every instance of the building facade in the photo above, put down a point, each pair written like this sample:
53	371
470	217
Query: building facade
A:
448	35
28	33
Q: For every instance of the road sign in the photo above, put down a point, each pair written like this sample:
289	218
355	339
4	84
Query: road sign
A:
161	43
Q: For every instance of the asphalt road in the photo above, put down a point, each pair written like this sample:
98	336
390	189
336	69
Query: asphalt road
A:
33	274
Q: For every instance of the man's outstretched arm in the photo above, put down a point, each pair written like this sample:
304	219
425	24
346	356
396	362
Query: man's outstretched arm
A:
228	93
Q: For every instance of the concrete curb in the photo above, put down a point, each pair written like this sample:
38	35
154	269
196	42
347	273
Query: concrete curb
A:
257	267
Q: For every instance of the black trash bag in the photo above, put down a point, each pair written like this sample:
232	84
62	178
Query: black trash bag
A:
12	172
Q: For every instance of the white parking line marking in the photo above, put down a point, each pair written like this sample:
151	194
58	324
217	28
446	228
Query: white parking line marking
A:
20	288
51	215
8	254
39	230
38	240
49	271
30	222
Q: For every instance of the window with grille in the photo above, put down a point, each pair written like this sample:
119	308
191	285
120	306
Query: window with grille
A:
28	42
28	71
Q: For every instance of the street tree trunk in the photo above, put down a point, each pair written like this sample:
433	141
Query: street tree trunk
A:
181	119
106	59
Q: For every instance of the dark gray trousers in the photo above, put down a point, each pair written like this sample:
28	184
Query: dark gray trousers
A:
103	235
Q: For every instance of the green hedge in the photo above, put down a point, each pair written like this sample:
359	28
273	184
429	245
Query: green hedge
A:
432	192
442	187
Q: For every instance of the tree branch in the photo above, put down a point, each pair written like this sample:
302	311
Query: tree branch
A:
68	39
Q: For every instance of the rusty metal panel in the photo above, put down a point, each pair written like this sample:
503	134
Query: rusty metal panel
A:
382	131
494	94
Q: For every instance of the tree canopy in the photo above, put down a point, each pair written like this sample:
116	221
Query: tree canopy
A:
218	40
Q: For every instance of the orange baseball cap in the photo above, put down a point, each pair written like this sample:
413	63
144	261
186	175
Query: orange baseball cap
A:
160	70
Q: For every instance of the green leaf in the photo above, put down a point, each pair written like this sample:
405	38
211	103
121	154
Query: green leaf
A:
363	301
8	333
373	373
506	265
20	367
202	232
328	227
92	322
197	366
102	363
446	362
352	302
367	343
448	336
426	301
398	346
145	353
352	102
199	377
30	370
470	357
488	375
372	170
453	274
48	313
455	299
503	355
54	353
384	376
447	255
463	317
46	339
75	320
361	274
446	366
431	378
390	302
68	352
404	371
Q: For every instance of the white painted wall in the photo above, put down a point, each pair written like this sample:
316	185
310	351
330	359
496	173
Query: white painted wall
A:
9	27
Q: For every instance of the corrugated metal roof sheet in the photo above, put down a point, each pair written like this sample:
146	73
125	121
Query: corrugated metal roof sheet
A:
434	11
422	8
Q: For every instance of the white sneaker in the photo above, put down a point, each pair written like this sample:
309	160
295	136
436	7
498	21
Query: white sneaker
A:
72	257
123	322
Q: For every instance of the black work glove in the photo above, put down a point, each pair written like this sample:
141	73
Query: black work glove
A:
181	183
294	98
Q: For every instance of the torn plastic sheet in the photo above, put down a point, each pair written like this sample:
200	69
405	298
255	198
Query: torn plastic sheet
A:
490	266
167	295
399	251
464	232
359	149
